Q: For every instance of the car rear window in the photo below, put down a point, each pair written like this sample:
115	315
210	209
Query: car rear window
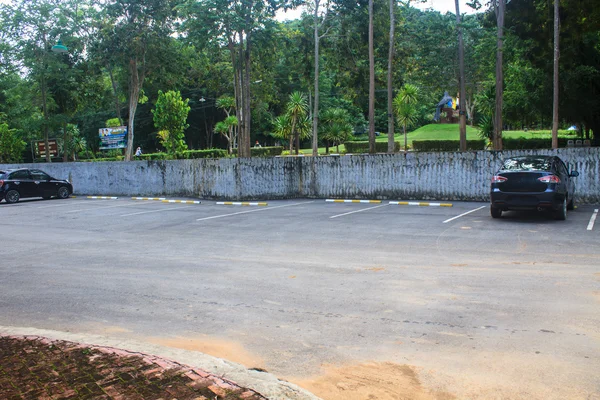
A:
527	164
3	175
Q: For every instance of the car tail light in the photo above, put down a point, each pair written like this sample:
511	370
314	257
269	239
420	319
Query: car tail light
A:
549	179
1	183
499	179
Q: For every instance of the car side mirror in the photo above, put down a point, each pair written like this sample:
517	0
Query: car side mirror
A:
574	174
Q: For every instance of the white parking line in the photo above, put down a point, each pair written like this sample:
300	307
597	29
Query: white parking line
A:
463	214
69	203
357	211
101	208
153	211
255	210
592	220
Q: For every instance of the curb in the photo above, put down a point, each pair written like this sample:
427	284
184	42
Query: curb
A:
103	197
149	198
240	203
264	383
352	201
419	203
181	201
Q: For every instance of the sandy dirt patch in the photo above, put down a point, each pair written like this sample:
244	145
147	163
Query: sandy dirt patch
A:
231	351
369	381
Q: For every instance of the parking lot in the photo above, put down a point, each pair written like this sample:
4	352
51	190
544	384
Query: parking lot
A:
335	296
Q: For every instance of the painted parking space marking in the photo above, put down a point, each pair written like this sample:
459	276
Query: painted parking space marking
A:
463	214
420	204
351	201
241	203
357	211
255	210
154	211
103	197
182	201
149	198
592	220
102	208
69	203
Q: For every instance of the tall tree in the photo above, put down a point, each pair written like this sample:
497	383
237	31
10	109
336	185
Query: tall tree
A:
463	96
141	29
371	82
555	77
390	83
499	7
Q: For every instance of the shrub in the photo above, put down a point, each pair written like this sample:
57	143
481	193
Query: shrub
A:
446	145
523	143
363	147
271	151
208	153
154	156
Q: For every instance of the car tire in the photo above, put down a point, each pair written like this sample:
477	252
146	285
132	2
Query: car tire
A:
561	213
12	196
63	192
496	212
571	204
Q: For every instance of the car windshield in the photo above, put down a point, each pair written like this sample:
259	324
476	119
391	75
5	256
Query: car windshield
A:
527	164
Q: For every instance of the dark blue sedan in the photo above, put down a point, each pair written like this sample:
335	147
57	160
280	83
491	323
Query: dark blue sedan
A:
533	183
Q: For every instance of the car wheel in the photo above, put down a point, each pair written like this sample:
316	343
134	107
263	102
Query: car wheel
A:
12	196
561	213
571	204
63	192
496	212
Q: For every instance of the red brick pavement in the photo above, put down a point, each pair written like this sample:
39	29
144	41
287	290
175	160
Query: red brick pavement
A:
39	368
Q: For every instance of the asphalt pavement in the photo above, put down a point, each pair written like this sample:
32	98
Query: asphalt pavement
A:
313	291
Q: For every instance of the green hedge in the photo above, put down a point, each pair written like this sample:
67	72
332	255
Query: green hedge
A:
208	153
270	151
523	143
363	147
446	145
120	158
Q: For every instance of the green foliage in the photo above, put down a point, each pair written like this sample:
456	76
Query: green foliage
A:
170	116
11	145
209	153
335	125
269	151
523	143
446	145
113	123
363	147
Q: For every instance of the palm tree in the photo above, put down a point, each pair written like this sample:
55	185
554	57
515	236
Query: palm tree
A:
297	108
282	128
405	107
227	128
336	126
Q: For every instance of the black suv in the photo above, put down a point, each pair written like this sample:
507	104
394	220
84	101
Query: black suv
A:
20	183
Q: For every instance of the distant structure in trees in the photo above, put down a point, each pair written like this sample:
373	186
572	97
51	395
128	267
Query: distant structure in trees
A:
445	107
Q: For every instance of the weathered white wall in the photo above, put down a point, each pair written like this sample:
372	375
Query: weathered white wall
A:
440	176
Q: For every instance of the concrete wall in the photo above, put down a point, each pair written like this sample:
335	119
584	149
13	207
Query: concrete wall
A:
440	176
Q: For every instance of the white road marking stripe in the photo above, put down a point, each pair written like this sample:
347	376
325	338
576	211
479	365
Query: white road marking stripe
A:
153	211
70	203
463	214
592	220
101	208
255	210
357	211
103	197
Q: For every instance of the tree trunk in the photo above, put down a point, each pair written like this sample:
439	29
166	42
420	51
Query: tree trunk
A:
371	83
115	94
499	76
293	137
315	119
45	111
135	83
555	84
247	98
463	97
390	91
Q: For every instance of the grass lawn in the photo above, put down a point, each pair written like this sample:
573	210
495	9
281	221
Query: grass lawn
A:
448	132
